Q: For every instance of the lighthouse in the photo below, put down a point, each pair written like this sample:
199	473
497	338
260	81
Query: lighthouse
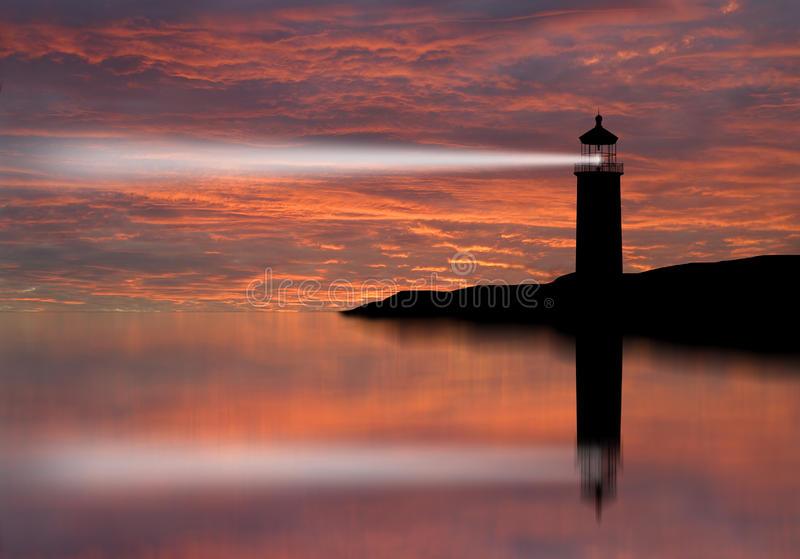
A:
598	257
598	351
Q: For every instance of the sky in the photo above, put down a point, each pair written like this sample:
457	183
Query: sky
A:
705	97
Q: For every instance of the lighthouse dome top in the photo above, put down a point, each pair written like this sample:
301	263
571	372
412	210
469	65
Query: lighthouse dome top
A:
598	136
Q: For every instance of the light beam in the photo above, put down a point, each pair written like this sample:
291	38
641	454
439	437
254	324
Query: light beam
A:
139	158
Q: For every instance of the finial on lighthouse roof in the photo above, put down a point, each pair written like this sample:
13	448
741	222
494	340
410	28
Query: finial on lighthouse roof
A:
598	135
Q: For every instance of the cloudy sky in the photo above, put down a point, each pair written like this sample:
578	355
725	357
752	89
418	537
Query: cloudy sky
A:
705	96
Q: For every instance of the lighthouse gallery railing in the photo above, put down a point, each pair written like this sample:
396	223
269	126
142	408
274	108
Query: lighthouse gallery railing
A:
598	168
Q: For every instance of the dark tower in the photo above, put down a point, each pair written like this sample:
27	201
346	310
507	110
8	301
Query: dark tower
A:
598	359
598	259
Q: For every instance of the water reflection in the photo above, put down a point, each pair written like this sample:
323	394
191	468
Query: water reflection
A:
598	398
227	436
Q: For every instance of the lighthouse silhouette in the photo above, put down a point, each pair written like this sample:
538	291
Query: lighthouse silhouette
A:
598	345
598	257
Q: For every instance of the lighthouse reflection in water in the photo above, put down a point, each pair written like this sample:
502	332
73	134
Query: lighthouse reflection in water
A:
598	396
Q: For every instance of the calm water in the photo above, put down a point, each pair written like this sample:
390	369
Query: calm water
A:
314	435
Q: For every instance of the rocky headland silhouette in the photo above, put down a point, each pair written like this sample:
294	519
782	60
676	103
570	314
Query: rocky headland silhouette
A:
750	303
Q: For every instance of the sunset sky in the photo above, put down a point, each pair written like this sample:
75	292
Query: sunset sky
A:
705	96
